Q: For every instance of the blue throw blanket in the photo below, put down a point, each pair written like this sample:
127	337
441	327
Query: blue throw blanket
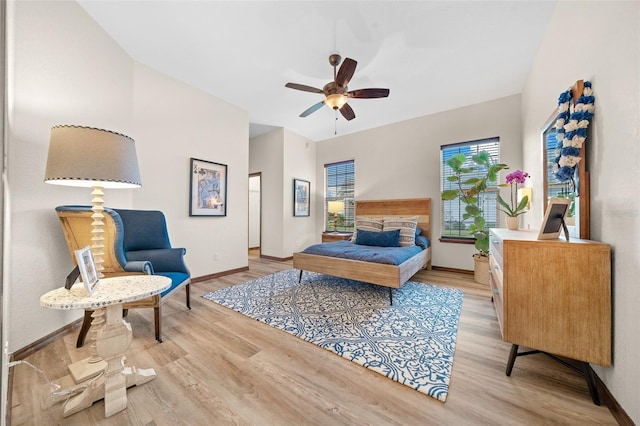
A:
352	251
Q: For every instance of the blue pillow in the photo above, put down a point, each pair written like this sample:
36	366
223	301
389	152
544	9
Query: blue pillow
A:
422	241
379	239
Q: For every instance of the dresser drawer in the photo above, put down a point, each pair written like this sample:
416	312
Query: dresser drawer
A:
495	248
496	283
496	270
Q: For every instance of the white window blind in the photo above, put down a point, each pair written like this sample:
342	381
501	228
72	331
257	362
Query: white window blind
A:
340	186
451	223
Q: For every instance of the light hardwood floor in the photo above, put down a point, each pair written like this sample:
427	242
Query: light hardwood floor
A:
217	367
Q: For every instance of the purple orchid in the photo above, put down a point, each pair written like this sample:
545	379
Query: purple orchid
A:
514	208
517	177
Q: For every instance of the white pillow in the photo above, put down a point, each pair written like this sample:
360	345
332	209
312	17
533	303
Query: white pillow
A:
407	227
367	223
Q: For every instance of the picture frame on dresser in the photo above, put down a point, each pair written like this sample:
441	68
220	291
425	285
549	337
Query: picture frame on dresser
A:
554	219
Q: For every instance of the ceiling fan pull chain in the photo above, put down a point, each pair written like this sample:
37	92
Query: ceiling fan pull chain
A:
335	124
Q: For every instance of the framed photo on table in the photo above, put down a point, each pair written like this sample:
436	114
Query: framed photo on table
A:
87	268
208	196
301	197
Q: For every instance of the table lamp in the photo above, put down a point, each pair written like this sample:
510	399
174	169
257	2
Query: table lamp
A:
96	158
335	207
522	192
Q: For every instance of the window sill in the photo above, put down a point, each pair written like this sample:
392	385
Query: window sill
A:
457	240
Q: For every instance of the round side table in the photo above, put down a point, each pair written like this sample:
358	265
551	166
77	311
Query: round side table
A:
113	335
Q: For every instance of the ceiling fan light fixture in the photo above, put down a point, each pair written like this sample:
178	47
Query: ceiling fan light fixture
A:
336	100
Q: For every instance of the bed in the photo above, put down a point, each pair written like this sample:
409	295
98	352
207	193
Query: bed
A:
392	276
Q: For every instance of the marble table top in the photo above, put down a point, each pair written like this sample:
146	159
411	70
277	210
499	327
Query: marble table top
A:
108	291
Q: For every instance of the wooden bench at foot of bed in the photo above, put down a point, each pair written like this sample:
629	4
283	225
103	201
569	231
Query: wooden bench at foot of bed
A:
377	273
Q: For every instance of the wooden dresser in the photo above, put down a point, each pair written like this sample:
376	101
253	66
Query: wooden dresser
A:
328	237
552	295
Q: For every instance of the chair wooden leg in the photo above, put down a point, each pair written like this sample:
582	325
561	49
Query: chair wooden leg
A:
156	316
188	290
86	325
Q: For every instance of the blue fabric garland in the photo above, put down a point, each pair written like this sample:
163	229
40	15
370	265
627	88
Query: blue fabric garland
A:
571	131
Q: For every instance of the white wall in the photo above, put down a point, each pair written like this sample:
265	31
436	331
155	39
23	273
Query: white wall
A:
402	160
600	42
266	155
174	122
299	163
281	156
63	69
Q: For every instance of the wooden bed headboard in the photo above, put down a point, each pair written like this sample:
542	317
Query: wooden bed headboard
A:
420	207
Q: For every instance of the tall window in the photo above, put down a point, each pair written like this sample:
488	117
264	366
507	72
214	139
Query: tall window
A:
339	186
451	223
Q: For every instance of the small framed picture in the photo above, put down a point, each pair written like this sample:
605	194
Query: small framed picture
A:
301	196
87	268
553	222
208	195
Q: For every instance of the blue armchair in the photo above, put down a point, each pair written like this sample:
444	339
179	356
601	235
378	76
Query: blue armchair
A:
136	241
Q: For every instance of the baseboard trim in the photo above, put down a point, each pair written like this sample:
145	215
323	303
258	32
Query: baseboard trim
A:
456	270
279	259
219	274
34	347
612	404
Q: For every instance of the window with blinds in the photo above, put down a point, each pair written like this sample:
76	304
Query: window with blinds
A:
340	186
451	223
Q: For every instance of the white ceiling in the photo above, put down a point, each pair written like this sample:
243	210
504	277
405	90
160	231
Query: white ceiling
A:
432	55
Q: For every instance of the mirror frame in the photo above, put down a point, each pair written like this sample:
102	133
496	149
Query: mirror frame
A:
581	177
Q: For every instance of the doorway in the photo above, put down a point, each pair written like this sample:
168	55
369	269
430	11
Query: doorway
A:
255	213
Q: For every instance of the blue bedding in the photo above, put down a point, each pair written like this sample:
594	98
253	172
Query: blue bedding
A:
352	251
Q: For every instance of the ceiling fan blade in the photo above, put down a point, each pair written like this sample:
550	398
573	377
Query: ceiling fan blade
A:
345	72
368	93
347	112
303	87
312	109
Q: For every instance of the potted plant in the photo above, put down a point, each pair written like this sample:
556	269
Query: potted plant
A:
515	208
469	181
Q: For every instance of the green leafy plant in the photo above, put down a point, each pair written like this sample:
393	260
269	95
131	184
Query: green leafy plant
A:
470	180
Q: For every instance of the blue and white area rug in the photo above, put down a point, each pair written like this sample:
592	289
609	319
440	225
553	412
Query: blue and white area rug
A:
411	342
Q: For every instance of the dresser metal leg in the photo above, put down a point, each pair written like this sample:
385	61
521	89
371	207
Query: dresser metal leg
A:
512	359
586	370
591	383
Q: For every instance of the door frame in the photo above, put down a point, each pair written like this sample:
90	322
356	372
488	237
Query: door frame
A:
256	174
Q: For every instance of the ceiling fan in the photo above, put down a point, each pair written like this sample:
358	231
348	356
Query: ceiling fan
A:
336	92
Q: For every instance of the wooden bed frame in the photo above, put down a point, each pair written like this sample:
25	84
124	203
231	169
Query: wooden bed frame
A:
377	273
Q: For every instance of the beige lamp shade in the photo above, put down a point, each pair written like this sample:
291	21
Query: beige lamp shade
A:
335	207
85	156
